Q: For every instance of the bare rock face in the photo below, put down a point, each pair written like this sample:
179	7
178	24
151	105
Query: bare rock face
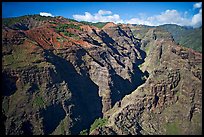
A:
169	102
59	81
109	25
103	131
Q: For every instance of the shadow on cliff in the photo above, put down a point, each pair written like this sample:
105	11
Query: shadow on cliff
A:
52	116
121	87
85	98
8	84
108	41
142	54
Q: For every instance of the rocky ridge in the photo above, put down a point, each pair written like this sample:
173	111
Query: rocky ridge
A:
71	74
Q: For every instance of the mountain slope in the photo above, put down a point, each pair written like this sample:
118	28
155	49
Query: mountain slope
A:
169	102
188	37
60	75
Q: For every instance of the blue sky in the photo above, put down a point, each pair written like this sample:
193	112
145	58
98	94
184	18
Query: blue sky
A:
149	13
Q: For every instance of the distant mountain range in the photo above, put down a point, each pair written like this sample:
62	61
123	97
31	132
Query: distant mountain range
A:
186	36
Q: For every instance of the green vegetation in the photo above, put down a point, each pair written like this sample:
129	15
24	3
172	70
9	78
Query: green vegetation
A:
63	27
62	128
26	87
172	129
42	18
140	31
147	49
139	66
72	20
12	21
23	19
187	37
98	24
71	35
100	122
61	39
178	93
53	22
197	123
18	60
18	97
38	101
193	39
44	64
5	105
84	132
143	78
21	57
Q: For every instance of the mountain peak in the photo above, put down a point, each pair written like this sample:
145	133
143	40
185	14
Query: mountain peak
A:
109	25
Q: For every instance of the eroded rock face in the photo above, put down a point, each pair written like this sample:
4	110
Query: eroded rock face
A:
169	102
59	83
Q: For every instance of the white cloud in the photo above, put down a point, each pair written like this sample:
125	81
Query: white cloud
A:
197	5
86	17
169	17
139	21
46	14
166	17
197	19
101	16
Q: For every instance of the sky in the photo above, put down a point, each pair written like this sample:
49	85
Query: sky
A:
146	13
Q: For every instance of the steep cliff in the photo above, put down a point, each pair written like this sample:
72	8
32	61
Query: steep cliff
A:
60	75
169	102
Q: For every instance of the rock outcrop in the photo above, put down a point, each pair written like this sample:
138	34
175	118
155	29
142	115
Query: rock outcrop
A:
169	102
60	75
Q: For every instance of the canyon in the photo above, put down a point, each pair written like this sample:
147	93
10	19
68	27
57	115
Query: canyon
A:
59	76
